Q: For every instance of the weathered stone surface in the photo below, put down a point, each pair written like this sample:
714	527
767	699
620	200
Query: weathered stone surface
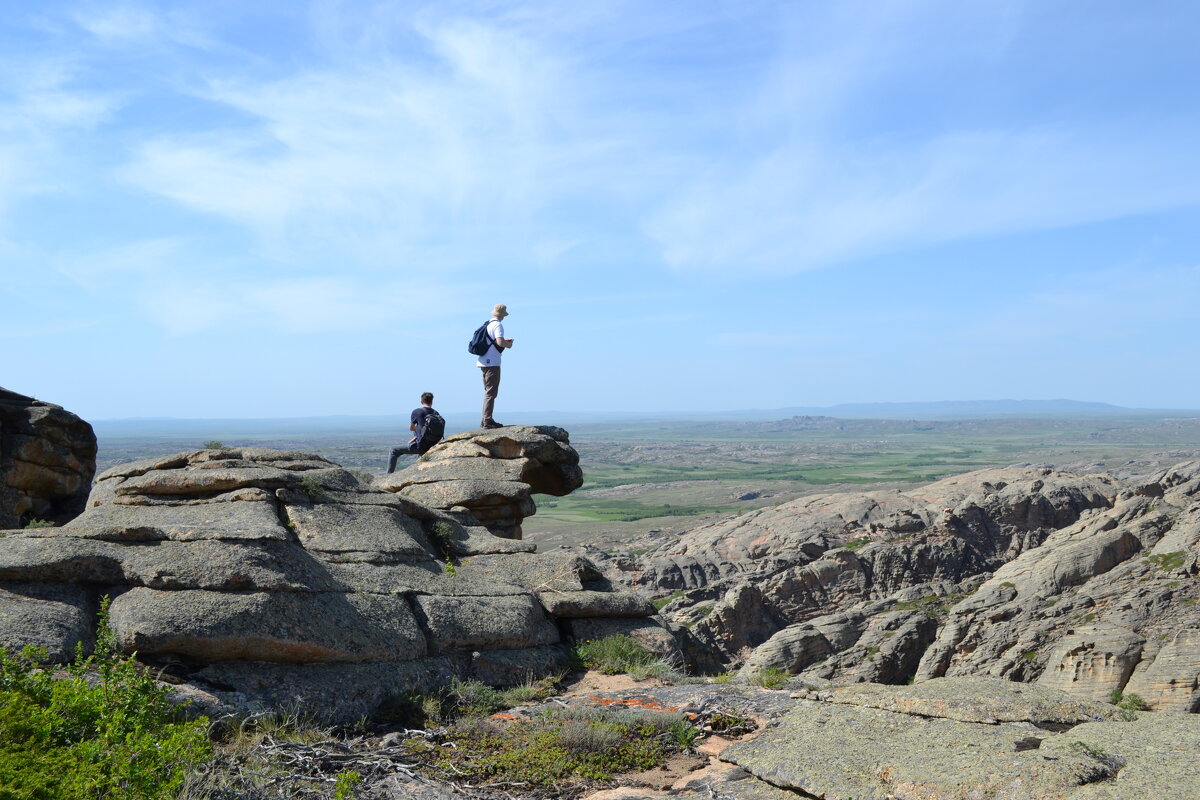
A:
492	473
574	605
1156	754
838	751
358	532
1093	662
557	570
204	481
254	519
234	565
47	615
1094	607
1081	582
984	700
47	460
267	626
467	623
1171	682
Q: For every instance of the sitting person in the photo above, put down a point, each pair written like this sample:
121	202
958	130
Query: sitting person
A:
428	427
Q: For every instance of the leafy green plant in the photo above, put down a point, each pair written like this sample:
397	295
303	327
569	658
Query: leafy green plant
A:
857	544
214	444
102	729
770	678
39	523
343	789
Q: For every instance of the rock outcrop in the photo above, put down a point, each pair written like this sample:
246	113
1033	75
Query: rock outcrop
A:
47	461
946	740
492	474
268	579
1083	583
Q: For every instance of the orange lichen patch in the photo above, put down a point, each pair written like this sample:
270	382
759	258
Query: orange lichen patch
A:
632	702
502	715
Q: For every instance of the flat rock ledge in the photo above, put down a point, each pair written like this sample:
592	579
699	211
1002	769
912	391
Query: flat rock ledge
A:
493	474
47	460
945	739
267	579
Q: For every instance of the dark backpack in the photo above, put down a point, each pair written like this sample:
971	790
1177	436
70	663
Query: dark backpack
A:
480	341
433	428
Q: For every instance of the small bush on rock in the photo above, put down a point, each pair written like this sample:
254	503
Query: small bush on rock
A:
770	678
613	655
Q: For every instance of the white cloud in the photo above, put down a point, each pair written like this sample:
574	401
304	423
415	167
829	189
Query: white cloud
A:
812	204
188	303
39	111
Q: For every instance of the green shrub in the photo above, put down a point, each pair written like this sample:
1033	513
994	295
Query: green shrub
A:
39	523
346	781
661	602
770	677
312	488
1128	703
559	749
102	729
614	655
214	444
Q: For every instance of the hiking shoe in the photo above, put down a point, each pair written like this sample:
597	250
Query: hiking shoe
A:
491	423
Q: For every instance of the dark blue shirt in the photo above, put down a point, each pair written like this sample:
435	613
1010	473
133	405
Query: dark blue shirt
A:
419	415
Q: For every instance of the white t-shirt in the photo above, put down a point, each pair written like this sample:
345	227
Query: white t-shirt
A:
491	358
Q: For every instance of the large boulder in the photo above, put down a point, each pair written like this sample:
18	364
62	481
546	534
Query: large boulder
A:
492	473
47	461
269	579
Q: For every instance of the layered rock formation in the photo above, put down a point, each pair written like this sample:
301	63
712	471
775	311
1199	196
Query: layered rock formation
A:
265	578
1079	582
493	474
47	460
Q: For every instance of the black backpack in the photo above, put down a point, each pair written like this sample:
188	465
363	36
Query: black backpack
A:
433	428
480	341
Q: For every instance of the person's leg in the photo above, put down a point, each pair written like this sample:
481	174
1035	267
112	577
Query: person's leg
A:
491	387
404	450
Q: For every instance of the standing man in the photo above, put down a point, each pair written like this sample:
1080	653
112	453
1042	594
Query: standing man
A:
489	362
427	426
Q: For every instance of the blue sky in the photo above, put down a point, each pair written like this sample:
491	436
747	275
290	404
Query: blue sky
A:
231	209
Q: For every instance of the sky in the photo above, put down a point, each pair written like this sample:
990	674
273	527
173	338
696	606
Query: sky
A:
281	208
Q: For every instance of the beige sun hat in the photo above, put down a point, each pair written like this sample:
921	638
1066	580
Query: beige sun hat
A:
500	310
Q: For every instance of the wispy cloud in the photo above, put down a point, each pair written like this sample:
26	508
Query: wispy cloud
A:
40	109
182	305
811	205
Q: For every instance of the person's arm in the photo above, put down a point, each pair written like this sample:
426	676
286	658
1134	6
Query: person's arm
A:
501	342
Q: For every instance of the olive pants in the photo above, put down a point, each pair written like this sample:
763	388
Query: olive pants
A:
491	387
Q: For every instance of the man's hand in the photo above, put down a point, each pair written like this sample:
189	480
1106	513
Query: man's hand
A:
504	344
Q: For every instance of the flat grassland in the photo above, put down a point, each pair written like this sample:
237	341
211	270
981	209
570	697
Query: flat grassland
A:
671	476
